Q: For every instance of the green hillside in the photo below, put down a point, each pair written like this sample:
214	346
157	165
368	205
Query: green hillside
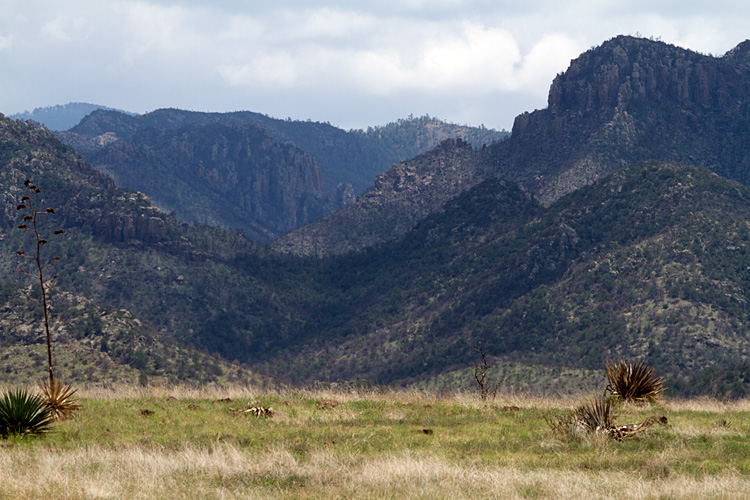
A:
247	171
628	259
650	262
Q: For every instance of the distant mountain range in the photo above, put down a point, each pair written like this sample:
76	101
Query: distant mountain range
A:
247	171
62	116
613	223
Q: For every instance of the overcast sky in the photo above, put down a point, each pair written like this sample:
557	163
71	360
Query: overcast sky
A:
352	63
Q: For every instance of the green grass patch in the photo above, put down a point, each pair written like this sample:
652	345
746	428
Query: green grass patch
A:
307	449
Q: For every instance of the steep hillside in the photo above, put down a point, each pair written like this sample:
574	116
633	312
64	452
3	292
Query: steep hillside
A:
354	157
233	175
236	176
401	197
117	251
650	262
247	171
97	344
632	100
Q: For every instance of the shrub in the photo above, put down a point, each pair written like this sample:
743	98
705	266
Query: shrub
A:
22	413
596	415
633	381
59	399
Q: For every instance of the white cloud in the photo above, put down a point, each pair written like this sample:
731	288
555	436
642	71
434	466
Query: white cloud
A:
551	55
475	58
64	29
321	24
478	60
467	57
152	28
266	70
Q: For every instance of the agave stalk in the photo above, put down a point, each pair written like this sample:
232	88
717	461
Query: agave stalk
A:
59	397
45	285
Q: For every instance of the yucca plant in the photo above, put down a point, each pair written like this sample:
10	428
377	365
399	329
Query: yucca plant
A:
596	415
59	399
633	381
23	413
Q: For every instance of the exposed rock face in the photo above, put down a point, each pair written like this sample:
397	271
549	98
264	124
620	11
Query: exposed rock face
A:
89	199
231	175
399	199
85	144
117	143
147	225
632	100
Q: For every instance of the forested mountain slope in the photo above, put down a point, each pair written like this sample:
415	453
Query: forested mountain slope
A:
118	252
247	171
649	262
591	260
400	197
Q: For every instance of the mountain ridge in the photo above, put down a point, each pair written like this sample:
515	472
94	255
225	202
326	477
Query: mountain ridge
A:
269	193
627	101
647	260
62	116
400	197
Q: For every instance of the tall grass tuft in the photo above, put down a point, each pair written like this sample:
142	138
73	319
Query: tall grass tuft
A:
633	381
22	413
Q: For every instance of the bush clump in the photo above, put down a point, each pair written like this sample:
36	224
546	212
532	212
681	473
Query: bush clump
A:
633	381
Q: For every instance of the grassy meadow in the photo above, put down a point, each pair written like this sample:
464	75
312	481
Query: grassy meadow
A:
371	444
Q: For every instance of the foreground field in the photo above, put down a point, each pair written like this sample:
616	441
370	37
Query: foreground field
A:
323	444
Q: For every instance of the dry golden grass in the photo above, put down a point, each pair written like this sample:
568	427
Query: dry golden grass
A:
708	405
370	445
468	399
226	472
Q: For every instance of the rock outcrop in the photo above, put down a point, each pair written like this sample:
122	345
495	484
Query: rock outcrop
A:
627	101
228	175
400	198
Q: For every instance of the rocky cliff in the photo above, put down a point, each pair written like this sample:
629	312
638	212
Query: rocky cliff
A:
85	199
632	100
400	198
230	175
338	165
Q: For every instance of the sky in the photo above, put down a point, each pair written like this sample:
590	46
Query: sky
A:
351	63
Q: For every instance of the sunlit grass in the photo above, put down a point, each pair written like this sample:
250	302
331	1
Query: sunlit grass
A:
372	444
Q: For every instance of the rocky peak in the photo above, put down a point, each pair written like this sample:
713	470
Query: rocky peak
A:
401	197
739	54
622	69
631	100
